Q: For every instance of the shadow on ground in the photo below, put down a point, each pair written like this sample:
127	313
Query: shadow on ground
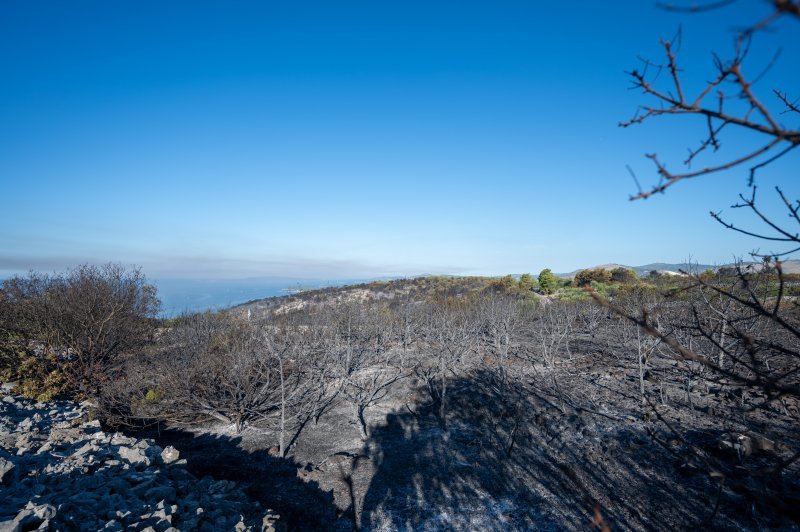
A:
509	458
271	481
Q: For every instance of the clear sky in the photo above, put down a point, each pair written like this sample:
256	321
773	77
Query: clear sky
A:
354	139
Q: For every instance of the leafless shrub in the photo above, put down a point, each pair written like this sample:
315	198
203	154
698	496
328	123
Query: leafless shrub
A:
359	332
501	321
213	368
370	384
591	317
365	360
303	375
89	316
549	326
448	341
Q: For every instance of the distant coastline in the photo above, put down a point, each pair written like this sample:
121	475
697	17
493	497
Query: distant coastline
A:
179	296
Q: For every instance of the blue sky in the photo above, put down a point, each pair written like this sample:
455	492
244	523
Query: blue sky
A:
355	139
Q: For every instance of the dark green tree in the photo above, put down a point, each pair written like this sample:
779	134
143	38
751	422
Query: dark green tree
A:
624	275
548	283
585	277
527	283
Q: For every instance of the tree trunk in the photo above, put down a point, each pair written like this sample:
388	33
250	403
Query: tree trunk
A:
362	421
283	411
641	365
443	398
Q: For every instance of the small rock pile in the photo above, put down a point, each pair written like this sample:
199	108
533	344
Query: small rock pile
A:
60	471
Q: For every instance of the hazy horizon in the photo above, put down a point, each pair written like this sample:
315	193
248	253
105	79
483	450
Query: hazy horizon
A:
181	294
192	295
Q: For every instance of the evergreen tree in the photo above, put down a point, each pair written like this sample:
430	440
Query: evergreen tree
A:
526	282
547	281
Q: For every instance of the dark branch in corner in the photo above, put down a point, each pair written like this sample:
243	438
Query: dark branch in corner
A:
756	116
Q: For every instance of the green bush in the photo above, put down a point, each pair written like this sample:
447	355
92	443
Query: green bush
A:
41	378
527	283
585	277
548	282
573	294
10	358
606	290
624	276
152	396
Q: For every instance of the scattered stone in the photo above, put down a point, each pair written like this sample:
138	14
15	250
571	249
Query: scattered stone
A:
45	511
119	439
25	520
135	456
7	441
737	444
170	454
79	477
761	443
160	493
5	470
85	449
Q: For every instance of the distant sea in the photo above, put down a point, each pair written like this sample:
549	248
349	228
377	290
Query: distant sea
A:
196	295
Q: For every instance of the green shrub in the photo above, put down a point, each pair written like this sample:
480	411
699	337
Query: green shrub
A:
585	277
41	377
527	283
605	290
573	294
548	282
624	276
10	360
152	396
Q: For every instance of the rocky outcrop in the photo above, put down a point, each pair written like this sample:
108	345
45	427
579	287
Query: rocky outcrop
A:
60	471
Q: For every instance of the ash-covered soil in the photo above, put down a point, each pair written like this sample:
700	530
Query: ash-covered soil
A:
559	448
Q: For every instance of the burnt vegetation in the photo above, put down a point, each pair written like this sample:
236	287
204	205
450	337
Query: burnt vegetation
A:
472	403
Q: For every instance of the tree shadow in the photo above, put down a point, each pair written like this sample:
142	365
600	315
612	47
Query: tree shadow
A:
271	481
561	469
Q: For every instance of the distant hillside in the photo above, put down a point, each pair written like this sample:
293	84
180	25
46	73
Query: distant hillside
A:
789	266
414	289
420	288
663	266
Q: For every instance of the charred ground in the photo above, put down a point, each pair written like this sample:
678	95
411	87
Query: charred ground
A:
462	404
475	403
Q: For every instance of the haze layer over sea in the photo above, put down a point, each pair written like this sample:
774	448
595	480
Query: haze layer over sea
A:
196	295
